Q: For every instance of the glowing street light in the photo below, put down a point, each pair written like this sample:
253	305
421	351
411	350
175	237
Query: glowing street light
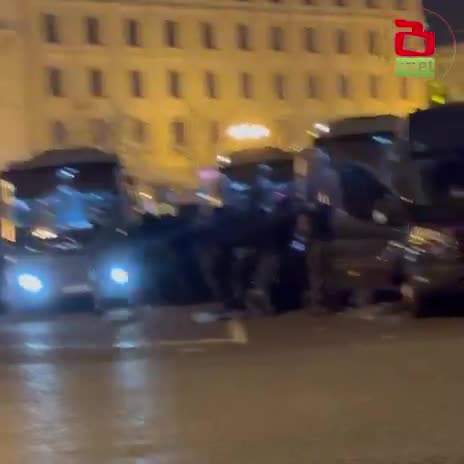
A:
322	127
248	132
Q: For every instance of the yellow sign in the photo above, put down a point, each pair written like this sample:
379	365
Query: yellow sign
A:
7	227
437	93
7	192
8	230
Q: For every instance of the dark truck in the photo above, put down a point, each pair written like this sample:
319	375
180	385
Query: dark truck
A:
401	222
72	214
430	179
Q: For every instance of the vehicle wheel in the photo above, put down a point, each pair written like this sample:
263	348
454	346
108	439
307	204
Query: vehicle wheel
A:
414	301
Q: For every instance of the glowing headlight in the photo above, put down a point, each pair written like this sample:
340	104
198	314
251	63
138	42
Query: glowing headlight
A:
440	243
30	283
119	275
44	234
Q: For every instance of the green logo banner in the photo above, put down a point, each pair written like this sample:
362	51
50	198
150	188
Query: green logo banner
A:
415	67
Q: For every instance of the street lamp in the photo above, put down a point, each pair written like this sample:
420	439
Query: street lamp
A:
322	127
247	131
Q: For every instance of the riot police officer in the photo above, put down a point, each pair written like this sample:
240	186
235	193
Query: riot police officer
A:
324	200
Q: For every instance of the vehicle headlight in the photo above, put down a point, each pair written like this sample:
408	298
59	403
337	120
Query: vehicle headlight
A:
30	283
119	275
44	234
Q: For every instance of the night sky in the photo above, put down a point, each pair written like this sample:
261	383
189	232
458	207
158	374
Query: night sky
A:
453	12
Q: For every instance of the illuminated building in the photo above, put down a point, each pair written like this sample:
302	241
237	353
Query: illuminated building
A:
161	84
450	79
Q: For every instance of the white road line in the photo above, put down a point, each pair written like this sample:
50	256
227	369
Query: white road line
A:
121	346
237	331
201	341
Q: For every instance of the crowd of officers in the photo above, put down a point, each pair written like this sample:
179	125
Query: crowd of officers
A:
267	252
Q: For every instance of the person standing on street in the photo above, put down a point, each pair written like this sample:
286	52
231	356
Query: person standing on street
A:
323	201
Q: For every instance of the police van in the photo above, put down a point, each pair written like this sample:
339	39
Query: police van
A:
67	216
402	222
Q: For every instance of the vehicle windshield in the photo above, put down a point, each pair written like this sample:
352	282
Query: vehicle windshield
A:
371	149
437	153
276	170
436	129
441	175
68	198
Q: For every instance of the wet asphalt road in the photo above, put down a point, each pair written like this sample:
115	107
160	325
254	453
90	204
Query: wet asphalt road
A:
160	388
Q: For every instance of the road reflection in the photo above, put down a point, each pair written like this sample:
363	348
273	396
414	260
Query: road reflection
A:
105	413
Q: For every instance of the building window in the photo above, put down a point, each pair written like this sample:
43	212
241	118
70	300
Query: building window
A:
372	43
210	85
246	85
50	28
100	132
92	30
279	86
312	87
179	135
133	33
139	131
59	134
340	2
174	80
171	34
243	37
343	86
136	84
342	41
55	82
404	88
214	132
400	4
310	40
208	38
374	86
276	39
372	4
309	2
96	83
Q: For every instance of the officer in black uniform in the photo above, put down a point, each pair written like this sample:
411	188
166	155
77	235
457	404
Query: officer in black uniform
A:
324	201
275	225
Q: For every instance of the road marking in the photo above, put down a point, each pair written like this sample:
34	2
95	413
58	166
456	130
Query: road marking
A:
192	349
204	317
237	331
201	341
